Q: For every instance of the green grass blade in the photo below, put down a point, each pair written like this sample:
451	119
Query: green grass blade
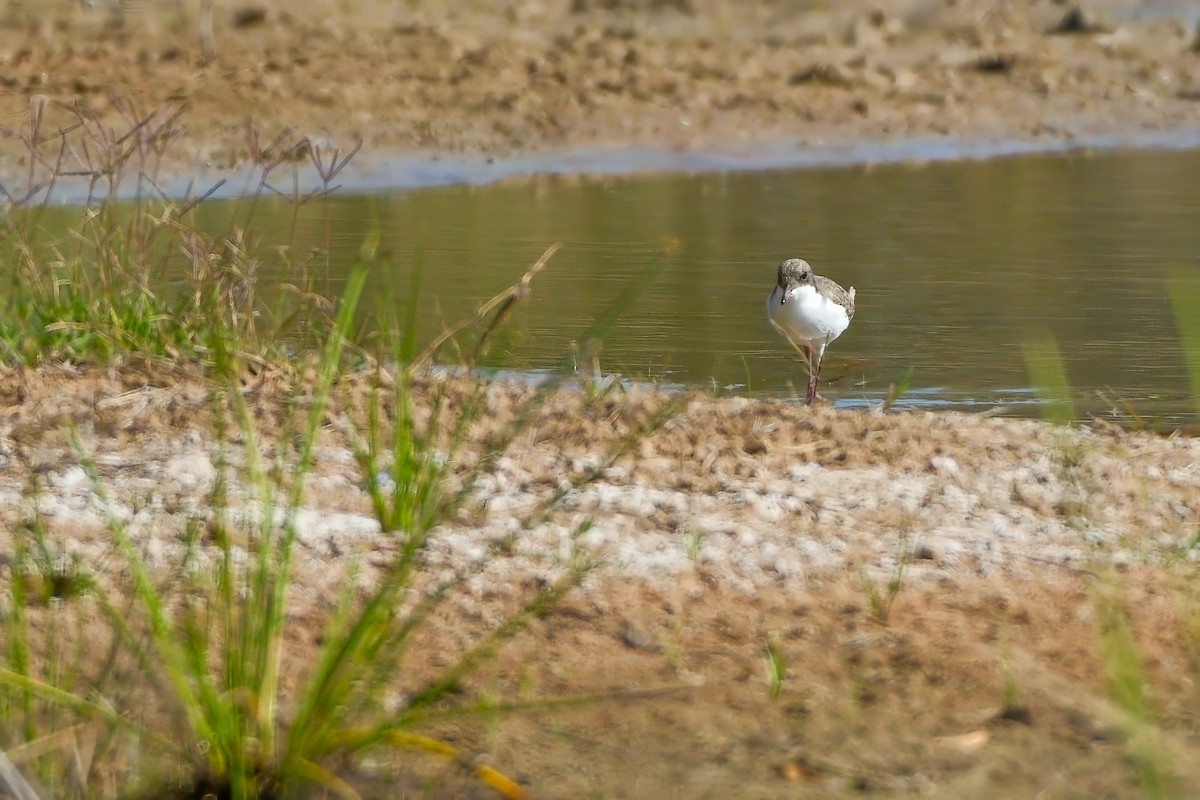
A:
81	705
1128	685
275	612
624	300
1049	378
194	691
17	632
450	678
1183	289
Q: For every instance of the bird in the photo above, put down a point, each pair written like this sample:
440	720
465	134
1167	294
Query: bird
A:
810	311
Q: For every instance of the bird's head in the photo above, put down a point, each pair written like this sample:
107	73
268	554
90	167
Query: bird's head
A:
793	273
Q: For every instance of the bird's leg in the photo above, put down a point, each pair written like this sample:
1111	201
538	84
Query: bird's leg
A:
813	369
815	373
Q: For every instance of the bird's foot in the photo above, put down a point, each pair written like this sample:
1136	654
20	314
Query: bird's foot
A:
812	395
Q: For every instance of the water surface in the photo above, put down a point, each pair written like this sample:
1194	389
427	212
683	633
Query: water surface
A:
956	264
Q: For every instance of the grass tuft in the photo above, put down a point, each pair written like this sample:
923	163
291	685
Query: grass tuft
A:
181	676
1128	687
135	276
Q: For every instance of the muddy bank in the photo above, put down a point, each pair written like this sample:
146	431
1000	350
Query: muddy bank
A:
526	77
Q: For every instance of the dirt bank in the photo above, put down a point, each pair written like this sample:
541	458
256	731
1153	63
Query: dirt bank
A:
496	79
934	587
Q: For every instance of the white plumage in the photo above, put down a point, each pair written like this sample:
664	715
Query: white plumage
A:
810	311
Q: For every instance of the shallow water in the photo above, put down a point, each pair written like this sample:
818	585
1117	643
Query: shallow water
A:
956	264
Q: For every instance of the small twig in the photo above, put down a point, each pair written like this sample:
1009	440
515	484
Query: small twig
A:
37	109
504	300
193	203
519	292
328	173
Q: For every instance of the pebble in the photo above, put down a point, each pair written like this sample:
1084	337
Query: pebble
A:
996	505
191	472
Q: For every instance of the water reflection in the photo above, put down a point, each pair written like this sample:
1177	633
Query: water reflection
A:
954	264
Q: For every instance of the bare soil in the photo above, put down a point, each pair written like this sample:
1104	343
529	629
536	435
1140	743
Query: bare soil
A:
738	525
726	527
529	75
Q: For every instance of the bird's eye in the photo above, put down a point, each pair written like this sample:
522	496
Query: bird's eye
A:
804	275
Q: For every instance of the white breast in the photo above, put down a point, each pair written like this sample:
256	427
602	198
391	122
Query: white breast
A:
807	316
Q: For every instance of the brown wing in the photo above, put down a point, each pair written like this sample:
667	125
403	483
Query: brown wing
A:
835	293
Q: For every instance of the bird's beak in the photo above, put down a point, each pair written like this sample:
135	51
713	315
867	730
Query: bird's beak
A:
785	295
